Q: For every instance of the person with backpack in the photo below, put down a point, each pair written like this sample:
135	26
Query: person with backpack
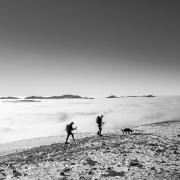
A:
69	129
100	124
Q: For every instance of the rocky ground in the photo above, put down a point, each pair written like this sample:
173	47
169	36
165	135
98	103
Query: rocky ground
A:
150	152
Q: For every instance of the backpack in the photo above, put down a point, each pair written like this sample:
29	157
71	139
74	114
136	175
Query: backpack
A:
98	120
67	127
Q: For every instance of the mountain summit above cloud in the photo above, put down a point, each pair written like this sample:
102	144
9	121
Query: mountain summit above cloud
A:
66	96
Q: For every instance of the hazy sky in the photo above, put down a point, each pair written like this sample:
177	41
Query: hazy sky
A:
92	48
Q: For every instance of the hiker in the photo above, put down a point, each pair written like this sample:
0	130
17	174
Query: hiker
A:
99	123
69	129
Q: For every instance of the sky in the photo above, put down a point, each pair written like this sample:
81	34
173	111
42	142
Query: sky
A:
89	47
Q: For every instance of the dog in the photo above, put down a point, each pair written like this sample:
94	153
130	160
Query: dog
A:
127	131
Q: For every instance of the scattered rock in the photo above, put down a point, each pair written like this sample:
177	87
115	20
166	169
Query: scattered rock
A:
82	178
1	170
160	150
90	173
136	163
63	178
91	162
113	173
2	177
25	174
62	173
16	173
67	169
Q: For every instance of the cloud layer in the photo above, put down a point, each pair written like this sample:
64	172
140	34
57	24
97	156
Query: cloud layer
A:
49	117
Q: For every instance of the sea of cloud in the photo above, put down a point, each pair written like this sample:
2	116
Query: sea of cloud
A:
27	120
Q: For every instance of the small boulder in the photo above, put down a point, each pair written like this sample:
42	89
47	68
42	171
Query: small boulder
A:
16	173
91	162
62	173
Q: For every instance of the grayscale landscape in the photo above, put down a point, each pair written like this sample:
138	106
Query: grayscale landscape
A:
89	90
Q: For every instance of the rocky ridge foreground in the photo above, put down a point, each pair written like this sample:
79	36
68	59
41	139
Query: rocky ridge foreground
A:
141	155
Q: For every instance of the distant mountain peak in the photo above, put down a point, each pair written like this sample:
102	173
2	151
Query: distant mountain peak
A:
65	96
9	97
112	96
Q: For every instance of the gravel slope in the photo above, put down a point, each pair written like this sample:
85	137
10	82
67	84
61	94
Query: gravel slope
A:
151	152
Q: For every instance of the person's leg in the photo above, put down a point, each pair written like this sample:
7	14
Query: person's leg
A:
100	129
72	136
67	137
98	133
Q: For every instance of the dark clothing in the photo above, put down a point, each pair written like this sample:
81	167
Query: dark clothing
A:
68	134
99	123
69	129
99	120
100	129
